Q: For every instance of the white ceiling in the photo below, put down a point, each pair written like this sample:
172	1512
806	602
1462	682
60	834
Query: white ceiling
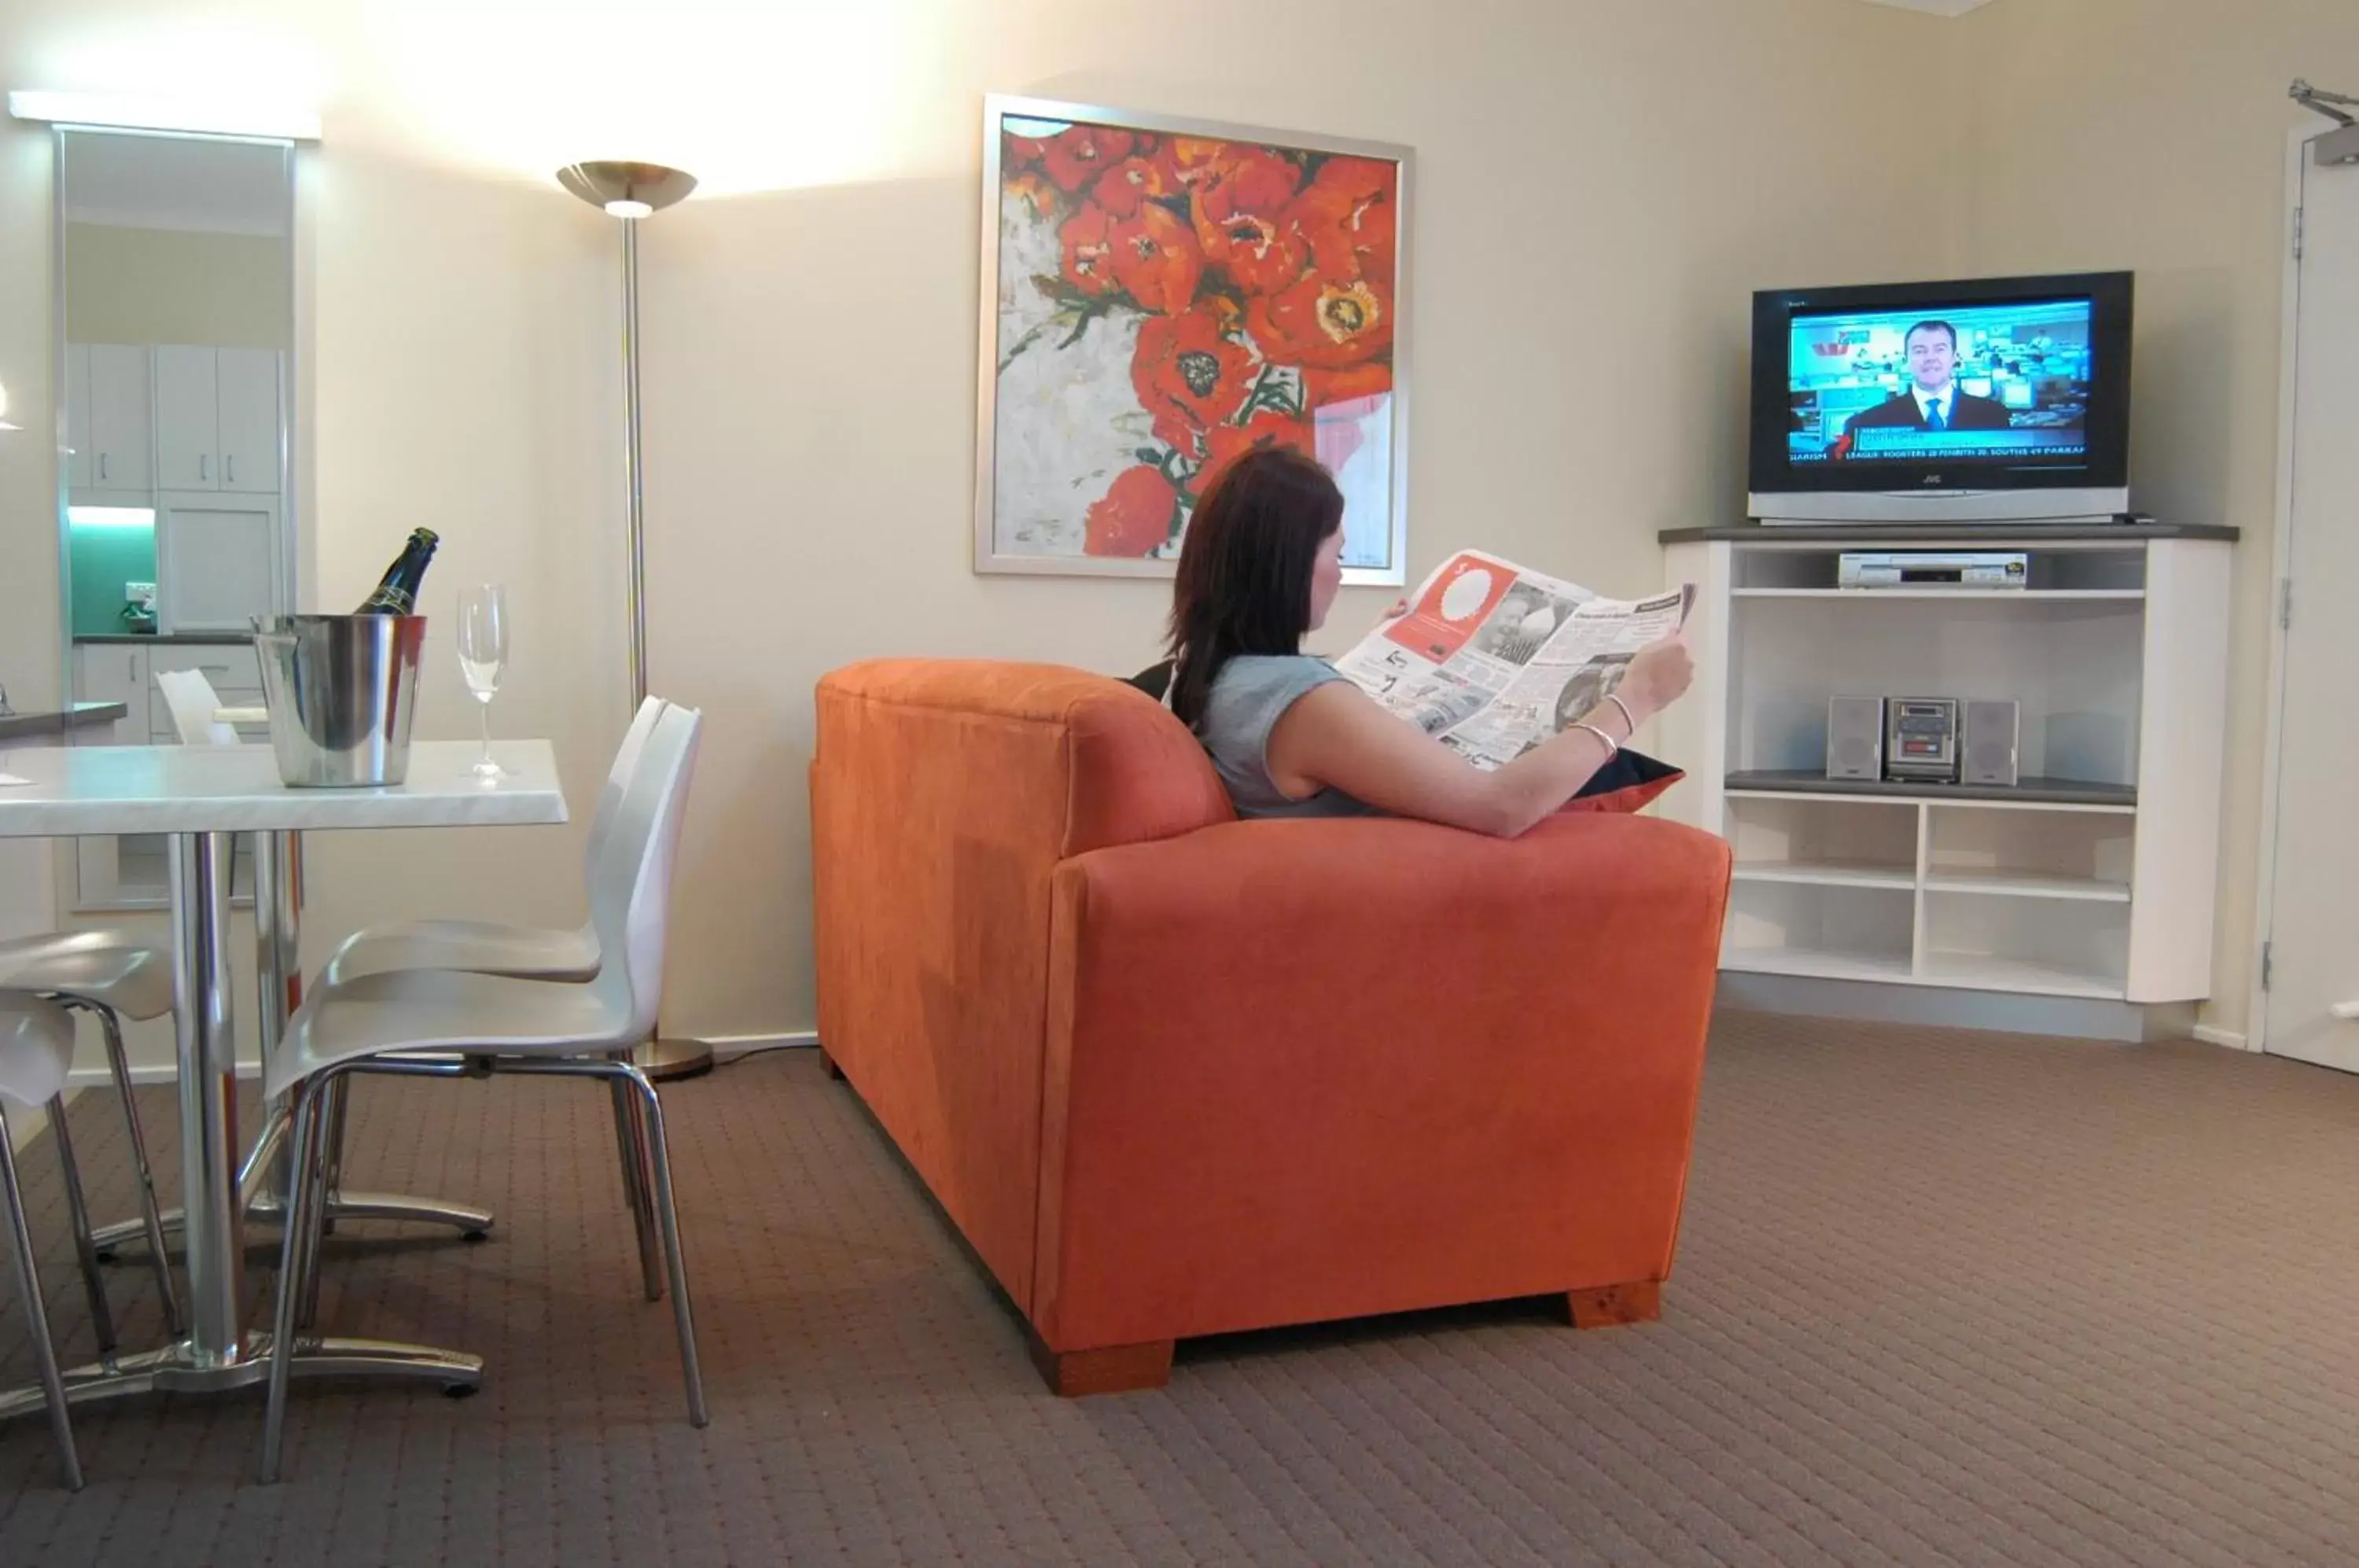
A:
1935	7
175	182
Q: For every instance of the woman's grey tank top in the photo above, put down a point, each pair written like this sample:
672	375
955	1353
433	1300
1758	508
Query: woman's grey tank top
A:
1249	695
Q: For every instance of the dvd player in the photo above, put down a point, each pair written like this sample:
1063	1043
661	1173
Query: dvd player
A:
1932	569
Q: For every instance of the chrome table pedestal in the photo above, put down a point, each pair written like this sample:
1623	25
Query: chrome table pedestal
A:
262	1181
219	1353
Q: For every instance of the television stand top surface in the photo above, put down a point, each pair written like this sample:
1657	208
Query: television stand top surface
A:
1940	533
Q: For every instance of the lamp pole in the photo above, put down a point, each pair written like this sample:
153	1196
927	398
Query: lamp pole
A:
632	193
634	512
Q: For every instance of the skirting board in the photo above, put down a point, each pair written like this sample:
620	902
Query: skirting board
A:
729	1047
153	1072
725	1048
2231	1039
2005	1012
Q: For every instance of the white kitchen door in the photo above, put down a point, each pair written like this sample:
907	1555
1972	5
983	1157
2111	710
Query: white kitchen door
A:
2310	999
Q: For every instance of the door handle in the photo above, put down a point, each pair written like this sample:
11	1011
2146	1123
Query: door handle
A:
204	465
101	466
229	470
2345	1009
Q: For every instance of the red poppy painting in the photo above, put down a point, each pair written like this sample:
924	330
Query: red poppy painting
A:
1162	297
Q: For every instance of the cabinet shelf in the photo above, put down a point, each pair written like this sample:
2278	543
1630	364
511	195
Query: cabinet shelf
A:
2029	792
2025	885
1981	972
1818	964
1826	874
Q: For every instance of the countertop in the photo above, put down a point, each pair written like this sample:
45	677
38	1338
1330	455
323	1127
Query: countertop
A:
69	790
159	637
1884	535
29	726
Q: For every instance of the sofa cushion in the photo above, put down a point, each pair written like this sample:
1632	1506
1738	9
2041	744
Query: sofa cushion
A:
1133	772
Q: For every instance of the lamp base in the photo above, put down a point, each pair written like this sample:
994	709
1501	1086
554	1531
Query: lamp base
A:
662	1059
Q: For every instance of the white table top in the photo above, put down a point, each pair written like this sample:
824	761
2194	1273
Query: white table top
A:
236	789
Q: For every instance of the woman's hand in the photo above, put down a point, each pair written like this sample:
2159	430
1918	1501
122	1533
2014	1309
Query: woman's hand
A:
1659	674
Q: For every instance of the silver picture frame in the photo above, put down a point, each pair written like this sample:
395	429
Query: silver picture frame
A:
989	556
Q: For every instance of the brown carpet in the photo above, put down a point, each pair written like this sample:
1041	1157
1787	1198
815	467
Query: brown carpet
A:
1941	1298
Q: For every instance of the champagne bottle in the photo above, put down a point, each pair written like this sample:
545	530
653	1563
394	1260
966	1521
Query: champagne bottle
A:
396	593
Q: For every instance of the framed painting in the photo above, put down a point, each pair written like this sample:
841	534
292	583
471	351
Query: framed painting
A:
1160	296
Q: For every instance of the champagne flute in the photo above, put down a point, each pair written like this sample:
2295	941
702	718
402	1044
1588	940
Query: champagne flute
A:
484	658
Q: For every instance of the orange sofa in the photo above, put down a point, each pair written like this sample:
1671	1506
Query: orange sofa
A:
1171	1074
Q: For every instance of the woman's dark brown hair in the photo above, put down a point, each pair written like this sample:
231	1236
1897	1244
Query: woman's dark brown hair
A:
1244	583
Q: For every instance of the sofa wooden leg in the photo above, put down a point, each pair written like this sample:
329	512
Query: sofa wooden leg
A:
1116	1369
1604	1306
828	1062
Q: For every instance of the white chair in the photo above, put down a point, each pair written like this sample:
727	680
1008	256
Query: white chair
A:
193	703
111	976
449	1023
482	947
524	952
36	1054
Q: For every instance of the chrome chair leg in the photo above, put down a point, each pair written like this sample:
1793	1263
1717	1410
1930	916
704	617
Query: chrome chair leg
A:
660	1158
316	1171
93	1283
305	1202
151	1219
630	1142
331	1147
28	1283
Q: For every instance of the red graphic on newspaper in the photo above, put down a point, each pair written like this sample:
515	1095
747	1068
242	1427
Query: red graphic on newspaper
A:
1453	606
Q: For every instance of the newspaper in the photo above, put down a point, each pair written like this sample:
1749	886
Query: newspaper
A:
1492	659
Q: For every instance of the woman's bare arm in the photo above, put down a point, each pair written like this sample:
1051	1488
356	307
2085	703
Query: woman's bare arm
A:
1337	736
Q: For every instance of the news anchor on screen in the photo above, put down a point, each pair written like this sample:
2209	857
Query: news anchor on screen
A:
1933	401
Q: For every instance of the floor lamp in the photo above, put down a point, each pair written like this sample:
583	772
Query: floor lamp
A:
632	192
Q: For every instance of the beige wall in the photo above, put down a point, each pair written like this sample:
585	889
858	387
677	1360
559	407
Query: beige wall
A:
170	286
810	357
1600	182
2151	134
1579	203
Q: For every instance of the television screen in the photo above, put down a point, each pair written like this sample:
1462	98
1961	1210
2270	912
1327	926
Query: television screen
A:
1969	383
1955	389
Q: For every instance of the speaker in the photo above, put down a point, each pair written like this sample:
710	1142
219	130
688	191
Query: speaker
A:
1990	744
1856	738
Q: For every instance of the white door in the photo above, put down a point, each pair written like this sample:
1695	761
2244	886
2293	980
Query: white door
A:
249	383
118	418
216	561
188	427
2313	966
79	466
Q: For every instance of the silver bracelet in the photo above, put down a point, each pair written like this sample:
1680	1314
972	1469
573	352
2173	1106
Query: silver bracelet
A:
1613	747
1627	717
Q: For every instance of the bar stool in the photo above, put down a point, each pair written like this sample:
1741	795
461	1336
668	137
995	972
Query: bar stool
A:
36	1054
111	976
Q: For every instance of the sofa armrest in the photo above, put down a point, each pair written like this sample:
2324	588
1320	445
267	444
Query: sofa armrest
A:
1303	1070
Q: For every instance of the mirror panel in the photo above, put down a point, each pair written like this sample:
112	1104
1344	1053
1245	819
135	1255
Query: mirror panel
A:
175	321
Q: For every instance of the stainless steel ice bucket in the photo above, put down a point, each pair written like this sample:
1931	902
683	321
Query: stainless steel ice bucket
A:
341	691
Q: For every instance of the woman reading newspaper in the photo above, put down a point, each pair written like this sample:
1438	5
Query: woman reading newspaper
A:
1293	736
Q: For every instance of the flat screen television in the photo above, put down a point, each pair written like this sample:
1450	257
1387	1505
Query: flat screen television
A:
1990	399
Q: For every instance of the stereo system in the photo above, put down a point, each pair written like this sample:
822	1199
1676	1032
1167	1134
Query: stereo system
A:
1932	569
1855	738
1922	740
